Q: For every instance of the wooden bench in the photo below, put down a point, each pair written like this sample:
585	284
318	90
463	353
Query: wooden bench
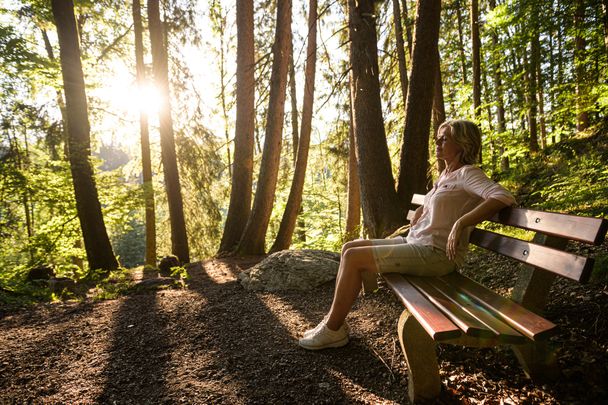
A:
457	310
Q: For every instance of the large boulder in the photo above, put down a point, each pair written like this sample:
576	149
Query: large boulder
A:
292	270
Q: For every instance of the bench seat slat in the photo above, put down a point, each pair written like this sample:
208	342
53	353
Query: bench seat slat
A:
436	324
463	319
565	264
506	334
527	322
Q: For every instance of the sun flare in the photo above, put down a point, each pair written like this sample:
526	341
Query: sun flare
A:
135	99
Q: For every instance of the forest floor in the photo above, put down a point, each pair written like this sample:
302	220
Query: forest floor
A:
214	342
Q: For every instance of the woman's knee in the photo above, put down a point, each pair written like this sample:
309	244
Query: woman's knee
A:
360	258
355	243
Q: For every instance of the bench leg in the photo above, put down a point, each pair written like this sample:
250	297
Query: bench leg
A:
538	361
421	358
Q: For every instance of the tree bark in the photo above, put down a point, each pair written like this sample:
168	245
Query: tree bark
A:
242	173
150	255
179	237
253	239
476	58
295	126
463	59
400	49
294	201
408	27
414	151
353	211
438	109
96	240
381	211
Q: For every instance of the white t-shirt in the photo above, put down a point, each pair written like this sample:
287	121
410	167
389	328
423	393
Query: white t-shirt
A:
454	195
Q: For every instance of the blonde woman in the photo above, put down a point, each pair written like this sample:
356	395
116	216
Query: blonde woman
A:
437	242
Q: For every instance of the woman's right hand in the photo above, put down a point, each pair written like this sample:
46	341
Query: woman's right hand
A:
417	215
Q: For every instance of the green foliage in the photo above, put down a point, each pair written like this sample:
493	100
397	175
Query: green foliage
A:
117	283
201	189
180	272
129	244
600	269
15	56
569	177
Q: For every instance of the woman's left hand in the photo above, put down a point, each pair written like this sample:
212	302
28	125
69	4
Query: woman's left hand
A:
453	239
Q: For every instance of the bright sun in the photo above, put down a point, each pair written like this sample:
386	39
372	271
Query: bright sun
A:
149	98
124	100
136	99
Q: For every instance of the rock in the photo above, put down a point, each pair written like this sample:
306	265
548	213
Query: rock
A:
149	272
291	270
156	283
42	272
166	263
60	284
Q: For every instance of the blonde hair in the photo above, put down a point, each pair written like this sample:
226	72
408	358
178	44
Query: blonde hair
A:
468	136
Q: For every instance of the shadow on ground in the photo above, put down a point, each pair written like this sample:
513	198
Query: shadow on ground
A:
215	342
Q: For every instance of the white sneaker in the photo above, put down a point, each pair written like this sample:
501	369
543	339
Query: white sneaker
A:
321	337
320	325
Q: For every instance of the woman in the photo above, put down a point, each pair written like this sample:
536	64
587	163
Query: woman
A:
437	242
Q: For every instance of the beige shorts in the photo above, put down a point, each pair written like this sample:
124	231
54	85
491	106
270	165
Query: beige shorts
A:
397	256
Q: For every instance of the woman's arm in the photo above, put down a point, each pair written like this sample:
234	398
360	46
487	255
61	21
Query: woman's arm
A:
483	211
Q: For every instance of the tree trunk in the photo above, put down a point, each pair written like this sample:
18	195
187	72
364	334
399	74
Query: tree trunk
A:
582	117
408	27
145	141
97	243
253	239
438	109
294	201
222	31
242	173
400	49
531	93
60	102
381	211
22	163
540	97
295	126
414	151
476	59
179	237
463	59
499	96
353	211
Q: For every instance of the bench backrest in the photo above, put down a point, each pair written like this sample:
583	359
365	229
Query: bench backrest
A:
567	227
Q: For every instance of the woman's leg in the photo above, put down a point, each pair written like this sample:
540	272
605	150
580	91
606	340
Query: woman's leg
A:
362	243
348	282
376	256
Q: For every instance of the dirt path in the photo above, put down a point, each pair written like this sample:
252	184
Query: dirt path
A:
214	342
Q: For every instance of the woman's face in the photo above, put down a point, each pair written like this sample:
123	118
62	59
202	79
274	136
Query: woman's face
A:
447	149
